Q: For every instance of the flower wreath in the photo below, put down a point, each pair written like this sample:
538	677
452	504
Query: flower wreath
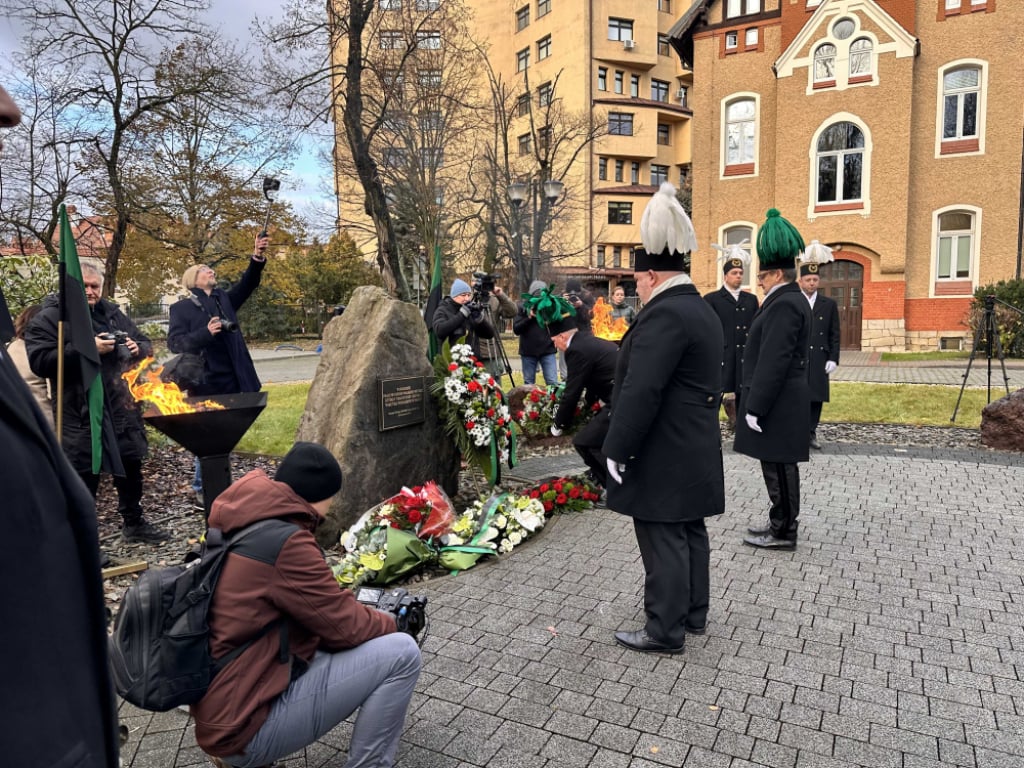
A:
474	410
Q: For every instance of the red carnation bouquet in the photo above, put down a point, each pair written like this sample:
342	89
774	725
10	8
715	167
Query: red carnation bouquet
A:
565	494
424	510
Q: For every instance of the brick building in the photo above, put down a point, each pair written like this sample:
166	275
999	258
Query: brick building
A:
888	129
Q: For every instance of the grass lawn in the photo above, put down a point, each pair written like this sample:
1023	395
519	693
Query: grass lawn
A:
922	404
897	357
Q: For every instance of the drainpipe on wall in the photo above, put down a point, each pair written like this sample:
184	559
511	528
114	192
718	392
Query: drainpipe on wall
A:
1020	207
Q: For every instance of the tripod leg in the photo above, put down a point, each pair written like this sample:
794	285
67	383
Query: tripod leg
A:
974	350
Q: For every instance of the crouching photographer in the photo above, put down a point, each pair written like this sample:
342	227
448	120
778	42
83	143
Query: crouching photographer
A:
317	654
459	315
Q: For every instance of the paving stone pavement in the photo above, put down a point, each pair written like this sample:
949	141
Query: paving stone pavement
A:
892	637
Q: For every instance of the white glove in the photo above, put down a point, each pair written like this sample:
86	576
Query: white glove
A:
615	470
555	430
829	367
752	422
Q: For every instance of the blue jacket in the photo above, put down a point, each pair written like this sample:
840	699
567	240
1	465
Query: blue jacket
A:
228	364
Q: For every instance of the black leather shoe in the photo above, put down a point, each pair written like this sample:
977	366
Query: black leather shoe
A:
814	442
695	630
760	530
641	641
769	542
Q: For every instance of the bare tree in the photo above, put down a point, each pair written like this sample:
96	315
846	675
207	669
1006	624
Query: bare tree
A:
114	49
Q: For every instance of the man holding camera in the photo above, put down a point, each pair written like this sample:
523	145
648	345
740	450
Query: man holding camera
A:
458	315
120	345
496	305
287	689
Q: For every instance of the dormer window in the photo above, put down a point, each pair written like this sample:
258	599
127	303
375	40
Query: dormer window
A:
824	65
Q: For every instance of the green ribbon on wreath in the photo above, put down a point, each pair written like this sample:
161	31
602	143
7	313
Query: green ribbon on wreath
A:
459	557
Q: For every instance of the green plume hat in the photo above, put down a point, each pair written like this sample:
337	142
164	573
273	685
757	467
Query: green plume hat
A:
551	311
778	242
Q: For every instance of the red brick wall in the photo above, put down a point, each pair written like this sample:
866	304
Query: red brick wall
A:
883	299
936	314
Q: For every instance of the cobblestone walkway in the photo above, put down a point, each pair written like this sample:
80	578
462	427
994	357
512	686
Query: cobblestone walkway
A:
892	637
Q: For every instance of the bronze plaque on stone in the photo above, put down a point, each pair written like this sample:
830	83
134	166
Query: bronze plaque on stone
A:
402	402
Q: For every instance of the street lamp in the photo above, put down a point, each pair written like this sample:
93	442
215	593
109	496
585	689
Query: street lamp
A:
518	192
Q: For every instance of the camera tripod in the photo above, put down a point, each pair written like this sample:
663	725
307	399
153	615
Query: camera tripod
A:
498	343
988	330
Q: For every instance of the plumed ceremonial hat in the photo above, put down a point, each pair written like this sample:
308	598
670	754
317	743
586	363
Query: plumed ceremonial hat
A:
733	256
666	233
553	313
813	257
778	242
311	471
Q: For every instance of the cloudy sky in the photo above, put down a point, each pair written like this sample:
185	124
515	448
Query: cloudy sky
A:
304	184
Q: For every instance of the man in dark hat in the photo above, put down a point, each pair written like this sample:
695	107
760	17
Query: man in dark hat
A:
773	424
664	444
735	309
824	350
341	656
591	364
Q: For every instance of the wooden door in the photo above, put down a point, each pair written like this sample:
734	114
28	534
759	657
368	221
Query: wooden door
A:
843	281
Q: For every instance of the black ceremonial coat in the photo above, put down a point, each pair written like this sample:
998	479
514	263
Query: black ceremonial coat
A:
735	316
824	345
590	368
775	380
664	423
56	697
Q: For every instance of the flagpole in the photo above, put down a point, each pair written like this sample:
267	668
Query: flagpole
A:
61	287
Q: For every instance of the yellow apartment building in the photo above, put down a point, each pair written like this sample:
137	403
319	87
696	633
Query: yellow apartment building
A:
890	130
610	61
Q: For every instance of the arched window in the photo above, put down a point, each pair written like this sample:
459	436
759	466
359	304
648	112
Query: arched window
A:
740	234
840	164
825	63
740	136
955	249
860	58
961	89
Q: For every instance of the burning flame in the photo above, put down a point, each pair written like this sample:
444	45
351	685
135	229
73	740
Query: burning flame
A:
165	396
602	323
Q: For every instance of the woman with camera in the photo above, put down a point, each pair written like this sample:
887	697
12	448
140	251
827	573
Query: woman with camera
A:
206	323
317	654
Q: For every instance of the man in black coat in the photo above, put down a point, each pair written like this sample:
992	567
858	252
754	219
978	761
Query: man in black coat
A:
773	423
120	345
664	444
591	364
735	309
458	315
824	349
206	323
56	697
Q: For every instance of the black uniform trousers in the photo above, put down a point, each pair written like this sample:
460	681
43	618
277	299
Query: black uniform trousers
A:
677	584
815	415
783	484
588	442
129	490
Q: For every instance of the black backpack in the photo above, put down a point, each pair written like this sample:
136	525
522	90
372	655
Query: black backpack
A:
160	648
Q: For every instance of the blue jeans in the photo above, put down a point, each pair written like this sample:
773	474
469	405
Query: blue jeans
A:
548	365
377	678
197	479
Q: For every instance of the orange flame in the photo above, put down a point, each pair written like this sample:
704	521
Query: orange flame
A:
165	396
602	323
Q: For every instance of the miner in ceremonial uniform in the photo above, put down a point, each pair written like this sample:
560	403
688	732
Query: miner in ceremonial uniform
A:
824	350
663	446
735	309
774	422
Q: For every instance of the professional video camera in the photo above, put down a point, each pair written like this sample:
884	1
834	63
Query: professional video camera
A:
483	286
410	611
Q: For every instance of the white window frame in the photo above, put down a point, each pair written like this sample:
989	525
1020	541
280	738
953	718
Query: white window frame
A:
820	57
728	233
391	40
975	234
724	163
864	208
732	40
428	40
940	105
869	54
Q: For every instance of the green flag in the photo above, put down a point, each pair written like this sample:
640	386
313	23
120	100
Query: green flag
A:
77	320
433	300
